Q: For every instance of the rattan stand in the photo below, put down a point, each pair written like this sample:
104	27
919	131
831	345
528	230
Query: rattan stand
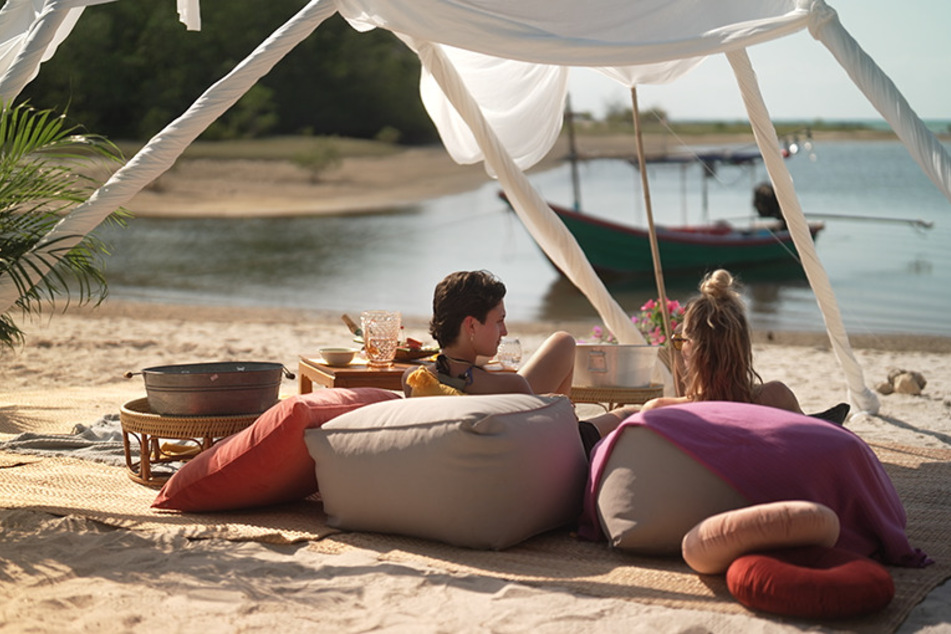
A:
611	397
193	434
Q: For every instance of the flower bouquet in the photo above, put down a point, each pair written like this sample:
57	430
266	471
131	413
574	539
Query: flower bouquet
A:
650	321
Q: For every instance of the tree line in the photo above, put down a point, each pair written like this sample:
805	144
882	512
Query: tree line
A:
129	68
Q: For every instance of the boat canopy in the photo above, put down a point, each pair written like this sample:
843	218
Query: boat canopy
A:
494	82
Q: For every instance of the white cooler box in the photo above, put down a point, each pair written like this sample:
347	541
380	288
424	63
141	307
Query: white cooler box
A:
614	365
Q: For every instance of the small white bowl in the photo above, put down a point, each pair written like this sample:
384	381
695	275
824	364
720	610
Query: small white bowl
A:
338	356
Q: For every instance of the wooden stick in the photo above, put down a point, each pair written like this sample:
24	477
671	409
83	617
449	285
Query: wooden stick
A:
655	248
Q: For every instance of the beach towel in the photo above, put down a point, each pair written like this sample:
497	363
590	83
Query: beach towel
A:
769	455
99	442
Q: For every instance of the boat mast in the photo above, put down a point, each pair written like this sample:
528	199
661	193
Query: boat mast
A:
573	154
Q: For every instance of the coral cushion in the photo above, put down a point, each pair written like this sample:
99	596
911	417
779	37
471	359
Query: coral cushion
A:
812	582
479	471
267	463
712	545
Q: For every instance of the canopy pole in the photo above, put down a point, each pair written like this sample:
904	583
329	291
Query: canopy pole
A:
40	35
768	142
655	248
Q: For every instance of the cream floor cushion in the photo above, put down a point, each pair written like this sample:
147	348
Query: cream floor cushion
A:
476	471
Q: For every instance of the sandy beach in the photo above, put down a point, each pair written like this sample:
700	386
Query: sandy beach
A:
75	574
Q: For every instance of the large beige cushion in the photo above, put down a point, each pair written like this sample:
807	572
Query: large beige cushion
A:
652	493
475	471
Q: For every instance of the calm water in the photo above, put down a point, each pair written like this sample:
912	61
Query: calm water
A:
888	277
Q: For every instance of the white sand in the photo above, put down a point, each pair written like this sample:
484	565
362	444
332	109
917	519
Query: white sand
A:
71	574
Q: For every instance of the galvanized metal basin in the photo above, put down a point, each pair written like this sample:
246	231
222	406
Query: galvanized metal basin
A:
213	389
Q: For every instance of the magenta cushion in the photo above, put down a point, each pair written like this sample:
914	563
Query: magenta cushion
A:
812	582
770	455
267	463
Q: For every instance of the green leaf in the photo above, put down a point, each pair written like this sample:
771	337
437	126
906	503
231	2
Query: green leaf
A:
44	175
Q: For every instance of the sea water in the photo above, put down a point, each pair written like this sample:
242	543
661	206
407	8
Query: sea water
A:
889	275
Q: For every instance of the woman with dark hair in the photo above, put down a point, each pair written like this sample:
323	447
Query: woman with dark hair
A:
718	353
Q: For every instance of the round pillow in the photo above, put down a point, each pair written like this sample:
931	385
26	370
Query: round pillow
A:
712	545
812	582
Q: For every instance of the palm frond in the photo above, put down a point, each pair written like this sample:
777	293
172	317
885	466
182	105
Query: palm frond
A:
42	159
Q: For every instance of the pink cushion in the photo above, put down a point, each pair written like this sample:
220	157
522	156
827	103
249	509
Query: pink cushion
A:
712	545
811	582
768	455
268	462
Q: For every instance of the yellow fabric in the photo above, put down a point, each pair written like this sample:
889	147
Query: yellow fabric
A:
424	383
180	450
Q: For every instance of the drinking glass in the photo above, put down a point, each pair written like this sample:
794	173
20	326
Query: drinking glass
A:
381	336
509	353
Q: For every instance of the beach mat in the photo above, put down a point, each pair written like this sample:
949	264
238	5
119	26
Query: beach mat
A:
66	486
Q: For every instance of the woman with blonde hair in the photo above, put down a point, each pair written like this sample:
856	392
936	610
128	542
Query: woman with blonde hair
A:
717	351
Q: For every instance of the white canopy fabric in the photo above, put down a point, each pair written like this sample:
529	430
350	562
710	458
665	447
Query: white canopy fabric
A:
494	82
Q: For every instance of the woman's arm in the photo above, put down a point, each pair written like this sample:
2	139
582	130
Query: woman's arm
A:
664	401
485	382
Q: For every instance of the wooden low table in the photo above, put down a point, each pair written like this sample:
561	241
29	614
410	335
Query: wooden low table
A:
612	397
310	371
195	433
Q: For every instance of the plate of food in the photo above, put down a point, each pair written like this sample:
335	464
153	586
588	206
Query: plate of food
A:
411	350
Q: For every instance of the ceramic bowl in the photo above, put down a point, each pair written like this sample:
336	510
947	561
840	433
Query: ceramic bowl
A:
338	356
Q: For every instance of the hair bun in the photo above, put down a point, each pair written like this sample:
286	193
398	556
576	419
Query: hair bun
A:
718	285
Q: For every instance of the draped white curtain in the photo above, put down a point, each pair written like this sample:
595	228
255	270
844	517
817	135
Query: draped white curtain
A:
494	82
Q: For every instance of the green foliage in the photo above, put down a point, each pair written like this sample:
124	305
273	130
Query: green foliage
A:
388	134
40	181
321	155
253	116
130	68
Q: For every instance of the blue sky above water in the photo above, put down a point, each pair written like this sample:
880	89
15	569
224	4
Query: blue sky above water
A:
800	79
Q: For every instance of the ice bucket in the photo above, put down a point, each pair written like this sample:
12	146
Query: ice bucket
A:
613	365
213	389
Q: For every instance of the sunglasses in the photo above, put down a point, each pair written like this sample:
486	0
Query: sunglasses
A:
677	341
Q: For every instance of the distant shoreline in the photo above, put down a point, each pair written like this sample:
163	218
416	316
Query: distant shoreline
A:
164	311
206	187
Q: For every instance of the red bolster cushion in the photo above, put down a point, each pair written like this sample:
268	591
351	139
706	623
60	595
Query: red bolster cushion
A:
812	582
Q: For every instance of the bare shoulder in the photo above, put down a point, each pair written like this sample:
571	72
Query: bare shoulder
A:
777	394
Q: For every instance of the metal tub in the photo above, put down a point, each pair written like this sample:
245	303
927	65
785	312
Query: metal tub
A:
213	389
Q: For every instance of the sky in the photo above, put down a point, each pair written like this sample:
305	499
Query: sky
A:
799	78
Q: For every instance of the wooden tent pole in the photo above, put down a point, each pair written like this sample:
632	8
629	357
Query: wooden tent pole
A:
655	249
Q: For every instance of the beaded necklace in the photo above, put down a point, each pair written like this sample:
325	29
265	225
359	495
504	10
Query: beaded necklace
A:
443	369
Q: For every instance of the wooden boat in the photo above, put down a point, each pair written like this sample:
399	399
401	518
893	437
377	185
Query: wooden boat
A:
617	249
